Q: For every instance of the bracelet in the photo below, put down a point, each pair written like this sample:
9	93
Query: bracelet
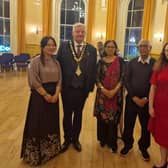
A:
101	87
118	87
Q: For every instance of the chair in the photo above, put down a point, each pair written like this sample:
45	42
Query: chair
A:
1	63
22	60
6	61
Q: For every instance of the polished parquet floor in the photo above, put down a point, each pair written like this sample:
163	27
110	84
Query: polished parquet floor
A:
14	95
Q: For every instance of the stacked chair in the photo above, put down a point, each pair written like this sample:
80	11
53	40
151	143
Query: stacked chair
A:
22	61
6	62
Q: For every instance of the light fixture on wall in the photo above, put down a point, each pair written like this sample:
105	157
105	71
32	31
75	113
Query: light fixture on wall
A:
37	2
36	30
100	35
104	4
159	36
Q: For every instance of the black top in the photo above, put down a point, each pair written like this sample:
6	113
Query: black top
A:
138	76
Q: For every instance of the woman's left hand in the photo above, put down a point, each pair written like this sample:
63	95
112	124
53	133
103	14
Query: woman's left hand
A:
151	111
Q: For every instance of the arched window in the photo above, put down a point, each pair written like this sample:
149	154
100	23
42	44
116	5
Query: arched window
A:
4	25
133	28
72	11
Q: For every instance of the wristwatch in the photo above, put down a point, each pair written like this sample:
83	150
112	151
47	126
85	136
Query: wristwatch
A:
101	87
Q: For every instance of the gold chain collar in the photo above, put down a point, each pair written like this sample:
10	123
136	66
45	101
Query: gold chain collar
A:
77	59
78	71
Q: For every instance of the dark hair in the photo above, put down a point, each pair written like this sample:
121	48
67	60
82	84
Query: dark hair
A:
115	44
43	43
162	61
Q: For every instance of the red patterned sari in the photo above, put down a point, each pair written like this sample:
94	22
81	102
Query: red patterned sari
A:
108	109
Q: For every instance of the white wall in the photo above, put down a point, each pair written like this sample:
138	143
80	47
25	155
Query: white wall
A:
158	25
13	25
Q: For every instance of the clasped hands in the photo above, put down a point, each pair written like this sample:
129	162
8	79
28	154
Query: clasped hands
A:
51	98
110	93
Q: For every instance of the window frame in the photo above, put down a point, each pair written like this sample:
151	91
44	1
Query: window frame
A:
65	25
5	46
131	27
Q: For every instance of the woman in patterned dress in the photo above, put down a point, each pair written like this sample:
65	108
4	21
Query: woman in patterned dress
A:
109	96
41	137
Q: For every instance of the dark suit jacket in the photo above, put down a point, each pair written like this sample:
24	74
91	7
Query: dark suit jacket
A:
68	66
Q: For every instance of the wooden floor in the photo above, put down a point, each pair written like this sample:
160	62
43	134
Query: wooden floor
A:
14	95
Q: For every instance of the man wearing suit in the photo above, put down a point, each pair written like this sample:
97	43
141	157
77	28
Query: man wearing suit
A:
78	62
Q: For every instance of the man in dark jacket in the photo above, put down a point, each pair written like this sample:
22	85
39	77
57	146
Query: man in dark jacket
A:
138	75
78	62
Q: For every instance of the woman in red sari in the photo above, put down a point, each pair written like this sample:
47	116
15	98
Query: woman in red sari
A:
109	96
158	101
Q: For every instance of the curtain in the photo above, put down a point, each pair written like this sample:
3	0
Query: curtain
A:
111	19
21	27
90	20
147	19
166	27
47	17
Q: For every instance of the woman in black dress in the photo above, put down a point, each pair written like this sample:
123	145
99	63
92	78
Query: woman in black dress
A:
41	138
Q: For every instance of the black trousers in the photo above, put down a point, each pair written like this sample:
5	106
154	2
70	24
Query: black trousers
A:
131	112
73	103
107	133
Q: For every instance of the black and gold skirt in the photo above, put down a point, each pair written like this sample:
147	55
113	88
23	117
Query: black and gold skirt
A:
41	137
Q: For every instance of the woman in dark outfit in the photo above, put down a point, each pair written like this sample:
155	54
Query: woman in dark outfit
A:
109	96
41	138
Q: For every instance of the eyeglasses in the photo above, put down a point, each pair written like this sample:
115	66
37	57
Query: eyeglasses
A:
143	46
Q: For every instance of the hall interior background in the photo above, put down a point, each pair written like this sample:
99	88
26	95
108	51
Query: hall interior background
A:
105	19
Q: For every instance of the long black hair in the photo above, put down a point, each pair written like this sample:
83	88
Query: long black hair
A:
43	43
115	44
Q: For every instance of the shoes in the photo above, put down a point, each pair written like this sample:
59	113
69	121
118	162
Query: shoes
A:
102	144
114	150
164	166
125	151
64	146
77	146
145	155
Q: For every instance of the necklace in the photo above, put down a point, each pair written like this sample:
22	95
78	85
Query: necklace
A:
77	59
